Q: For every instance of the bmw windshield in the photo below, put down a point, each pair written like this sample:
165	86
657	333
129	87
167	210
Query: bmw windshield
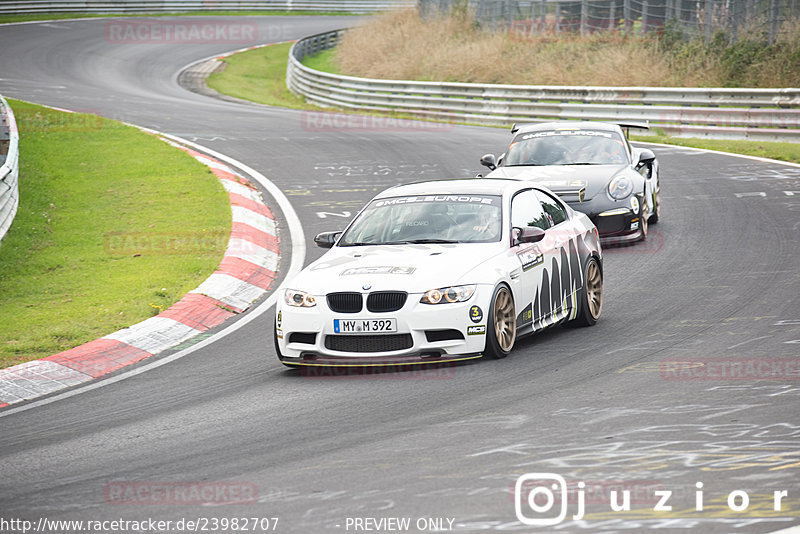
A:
427	219
567	147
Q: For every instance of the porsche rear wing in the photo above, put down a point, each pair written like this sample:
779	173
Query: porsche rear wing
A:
625	125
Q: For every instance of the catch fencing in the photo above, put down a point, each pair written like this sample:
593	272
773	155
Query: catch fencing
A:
756	114
757	19
9	167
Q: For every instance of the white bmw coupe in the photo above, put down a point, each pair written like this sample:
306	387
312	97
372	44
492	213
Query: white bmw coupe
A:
442	271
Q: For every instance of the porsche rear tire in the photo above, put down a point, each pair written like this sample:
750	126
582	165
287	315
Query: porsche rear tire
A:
501	330
591	300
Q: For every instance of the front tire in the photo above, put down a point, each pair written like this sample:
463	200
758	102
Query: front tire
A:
657	212
591	301
501	332
643	224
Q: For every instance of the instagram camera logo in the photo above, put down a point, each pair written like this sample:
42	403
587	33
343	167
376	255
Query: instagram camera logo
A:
529	487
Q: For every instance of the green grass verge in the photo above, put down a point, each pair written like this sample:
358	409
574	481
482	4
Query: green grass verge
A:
258	75
773	150
30	17
324	61
113	226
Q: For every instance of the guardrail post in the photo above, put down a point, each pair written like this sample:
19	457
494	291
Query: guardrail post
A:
612	23
645	7
584	16
774	14
558	18
544	16
626	14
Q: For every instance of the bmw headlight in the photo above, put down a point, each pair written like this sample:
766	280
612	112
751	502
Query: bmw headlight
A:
448	295
620	187
300	299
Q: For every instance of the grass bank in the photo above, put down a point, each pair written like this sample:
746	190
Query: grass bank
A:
401	45
113	226
258	75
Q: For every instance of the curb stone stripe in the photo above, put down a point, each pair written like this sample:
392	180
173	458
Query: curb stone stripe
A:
249	218
236	294
257	237
246	272
249	272
98	357
198	311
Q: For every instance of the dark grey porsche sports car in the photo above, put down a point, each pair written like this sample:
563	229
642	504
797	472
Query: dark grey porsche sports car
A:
591	166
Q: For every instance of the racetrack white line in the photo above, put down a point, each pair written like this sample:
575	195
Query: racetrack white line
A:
298	252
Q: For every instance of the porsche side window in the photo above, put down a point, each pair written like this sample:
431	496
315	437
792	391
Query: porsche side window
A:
552	208
526	211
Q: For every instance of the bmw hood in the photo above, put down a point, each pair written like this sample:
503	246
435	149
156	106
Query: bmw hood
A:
411	268
564	179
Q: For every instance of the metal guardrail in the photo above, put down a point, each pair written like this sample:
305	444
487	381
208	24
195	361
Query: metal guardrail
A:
756	114
9	167
166	6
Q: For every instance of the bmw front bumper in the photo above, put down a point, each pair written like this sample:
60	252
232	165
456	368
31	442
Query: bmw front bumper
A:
426	333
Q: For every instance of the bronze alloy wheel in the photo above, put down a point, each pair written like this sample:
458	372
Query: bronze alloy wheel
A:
657	212
643	224
594	289
505	322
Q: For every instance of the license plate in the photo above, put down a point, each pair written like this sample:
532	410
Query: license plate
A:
364	326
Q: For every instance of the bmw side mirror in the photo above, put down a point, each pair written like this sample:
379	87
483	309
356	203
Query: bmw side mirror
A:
531	234
646	157
326	239
488	160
